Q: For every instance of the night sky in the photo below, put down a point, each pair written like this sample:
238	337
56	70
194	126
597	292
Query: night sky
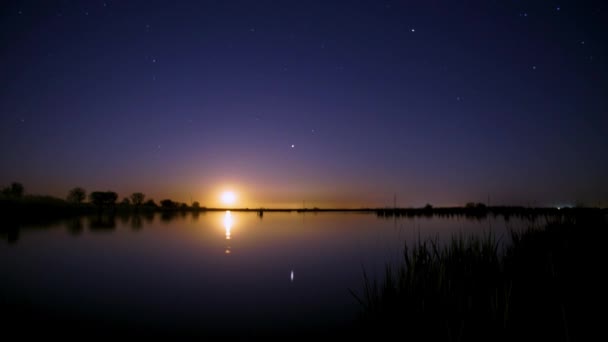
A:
333	103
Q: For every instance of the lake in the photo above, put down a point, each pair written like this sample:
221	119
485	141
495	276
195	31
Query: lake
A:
211	273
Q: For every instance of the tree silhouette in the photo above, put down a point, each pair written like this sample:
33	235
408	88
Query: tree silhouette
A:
103	198
76	195
150	203
196	205
15	190
168	204
137	198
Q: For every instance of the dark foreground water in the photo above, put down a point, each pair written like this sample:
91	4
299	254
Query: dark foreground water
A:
216	273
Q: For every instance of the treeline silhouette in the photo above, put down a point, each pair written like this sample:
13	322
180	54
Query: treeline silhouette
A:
15	201
481	211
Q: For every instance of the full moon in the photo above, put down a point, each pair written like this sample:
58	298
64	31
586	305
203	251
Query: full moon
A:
228	197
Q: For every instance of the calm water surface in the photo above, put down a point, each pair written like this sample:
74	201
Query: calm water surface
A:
216	272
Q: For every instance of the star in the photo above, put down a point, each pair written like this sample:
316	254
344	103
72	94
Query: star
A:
534	67
252	29
557	8
292	145
413	30
582	42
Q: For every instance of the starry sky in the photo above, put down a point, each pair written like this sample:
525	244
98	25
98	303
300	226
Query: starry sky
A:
336	103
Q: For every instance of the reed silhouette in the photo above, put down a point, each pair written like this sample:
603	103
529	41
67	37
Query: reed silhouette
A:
535	286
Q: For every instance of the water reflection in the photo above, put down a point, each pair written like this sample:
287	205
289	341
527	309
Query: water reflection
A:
136	222
228	221
13	226
102	222
75	226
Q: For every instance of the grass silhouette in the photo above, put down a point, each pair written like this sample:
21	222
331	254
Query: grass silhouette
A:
534	286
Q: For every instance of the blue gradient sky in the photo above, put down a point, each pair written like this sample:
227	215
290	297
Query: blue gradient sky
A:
437	101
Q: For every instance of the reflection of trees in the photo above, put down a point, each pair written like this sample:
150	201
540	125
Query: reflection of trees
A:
102	222
148	216
136	222
74	225
10	231
124	217
167	216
